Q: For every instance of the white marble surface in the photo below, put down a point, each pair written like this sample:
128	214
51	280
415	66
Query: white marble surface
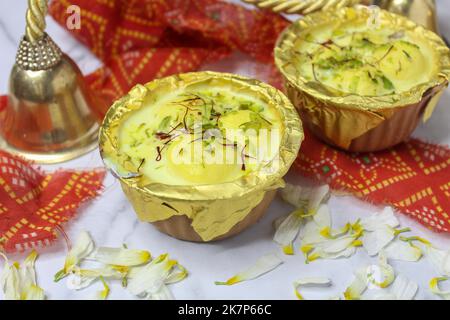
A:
111	220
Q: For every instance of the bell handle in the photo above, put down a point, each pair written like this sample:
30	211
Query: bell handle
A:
35	28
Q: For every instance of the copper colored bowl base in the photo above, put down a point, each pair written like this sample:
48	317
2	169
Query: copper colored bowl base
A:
180	227
389	133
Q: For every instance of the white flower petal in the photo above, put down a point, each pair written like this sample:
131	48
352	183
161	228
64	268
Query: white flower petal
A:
310	282
10	282
289	228
163	294
310	233
358	285
316	197
308	198
83	247
434	287
121	256
403	288
337	245
103	294
262	266
27	273
404	251
375	241
19	282
33	292
386	217
149	278
323	218
177	274
317	253
294	195
383	275
81	278
440	259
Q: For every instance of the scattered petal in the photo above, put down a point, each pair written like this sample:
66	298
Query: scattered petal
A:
434	287
440	259
33	292
163	294
81	278
358	285
403	251
262	266
375	241
308	282
386	217
19	283
178	274
10	282
401	289
323	218
384	271
83	247
147	280
317	254
289	228
103	294
121	256
308	198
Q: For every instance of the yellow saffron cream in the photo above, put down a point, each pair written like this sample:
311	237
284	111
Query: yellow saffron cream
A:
356	57
201	134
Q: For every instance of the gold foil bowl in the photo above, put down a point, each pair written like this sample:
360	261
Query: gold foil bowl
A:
353	122
201	213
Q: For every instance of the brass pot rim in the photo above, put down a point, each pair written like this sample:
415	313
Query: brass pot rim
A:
349	101
254	182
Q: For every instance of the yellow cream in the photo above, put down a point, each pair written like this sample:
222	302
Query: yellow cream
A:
201	135
357	58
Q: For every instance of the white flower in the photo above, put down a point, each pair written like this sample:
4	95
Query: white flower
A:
321	242
288	229
380	229
83	247
121	256
403	251
434	287
144	278
387	273
19	283
358	285
81	278
147	280
102	294
375	241
440	259
310	282
308	198
401	289
262	266
385	217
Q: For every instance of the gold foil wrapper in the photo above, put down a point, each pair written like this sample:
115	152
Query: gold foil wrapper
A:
340	118
212	209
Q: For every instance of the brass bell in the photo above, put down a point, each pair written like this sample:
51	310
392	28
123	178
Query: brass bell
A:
48	118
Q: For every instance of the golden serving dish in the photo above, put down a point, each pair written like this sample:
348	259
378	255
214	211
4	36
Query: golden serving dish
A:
195	211
350	120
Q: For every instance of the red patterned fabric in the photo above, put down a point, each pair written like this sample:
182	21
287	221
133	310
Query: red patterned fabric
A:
33	204
139	40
